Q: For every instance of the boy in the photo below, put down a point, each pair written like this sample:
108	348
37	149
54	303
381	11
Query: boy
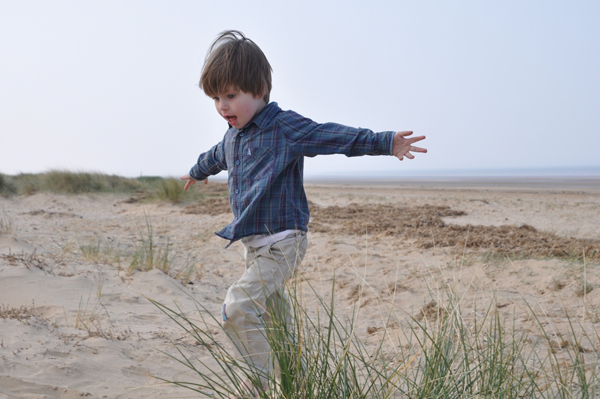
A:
263	151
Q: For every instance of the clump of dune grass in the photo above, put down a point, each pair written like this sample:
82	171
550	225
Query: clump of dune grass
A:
7	223
320	357
443	354
27	183
170	190
87	317
151	253
3	184
93	317
143	188
6	185
67	182
100	251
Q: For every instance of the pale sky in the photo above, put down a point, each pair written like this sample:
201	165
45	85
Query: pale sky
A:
111	86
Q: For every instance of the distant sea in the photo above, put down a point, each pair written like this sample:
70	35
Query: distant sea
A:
558	172
573	178
570	178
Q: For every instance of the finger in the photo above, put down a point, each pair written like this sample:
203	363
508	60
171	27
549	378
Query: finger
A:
404	133
189	183
417	149
206	181
409	155
184	177
415	139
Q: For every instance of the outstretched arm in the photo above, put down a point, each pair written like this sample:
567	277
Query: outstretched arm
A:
403	147
209	163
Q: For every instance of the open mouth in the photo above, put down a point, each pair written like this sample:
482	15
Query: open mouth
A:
232	120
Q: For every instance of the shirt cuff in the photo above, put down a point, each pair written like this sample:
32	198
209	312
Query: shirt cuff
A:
196	174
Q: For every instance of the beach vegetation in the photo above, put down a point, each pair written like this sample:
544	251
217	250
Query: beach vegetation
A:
426	226
170	190
152	251
6	185
7	223
27	184
22	313
66	182
440	351
3	184
142	188
97	250
87	316
190	271
94	318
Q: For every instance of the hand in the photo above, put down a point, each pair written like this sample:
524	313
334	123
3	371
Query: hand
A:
402	147
190	181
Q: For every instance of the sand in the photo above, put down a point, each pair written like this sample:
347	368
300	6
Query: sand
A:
75	322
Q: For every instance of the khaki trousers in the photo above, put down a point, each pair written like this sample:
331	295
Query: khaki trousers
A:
259	292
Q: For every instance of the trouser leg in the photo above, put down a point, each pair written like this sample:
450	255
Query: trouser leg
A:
261	288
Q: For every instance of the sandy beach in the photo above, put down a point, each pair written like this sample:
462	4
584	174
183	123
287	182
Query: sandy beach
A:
76	320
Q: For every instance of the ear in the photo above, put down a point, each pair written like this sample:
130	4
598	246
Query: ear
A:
264	91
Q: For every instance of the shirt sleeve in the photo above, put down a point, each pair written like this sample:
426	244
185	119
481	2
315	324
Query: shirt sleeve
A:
309	138
209	163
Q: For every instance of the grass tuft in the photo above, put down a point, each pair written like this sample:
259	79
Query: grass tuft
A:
445	354
7	223
170	190
143	188
66	182
100	251
150	253
3	184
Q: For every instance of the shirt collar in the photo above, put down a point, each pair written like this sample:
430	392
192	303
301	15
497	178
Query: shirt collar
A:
263	118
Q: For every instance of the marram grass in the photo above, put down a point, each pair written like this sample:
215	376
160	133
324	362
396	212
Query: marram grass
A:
437	354
151	253
148	188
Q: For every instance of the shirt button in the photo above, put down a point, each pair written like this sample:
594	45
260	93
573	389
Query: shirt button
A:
241	134
237	191
237	162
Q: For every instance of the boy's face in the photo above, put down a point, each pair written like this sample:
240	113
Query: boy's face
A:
238	107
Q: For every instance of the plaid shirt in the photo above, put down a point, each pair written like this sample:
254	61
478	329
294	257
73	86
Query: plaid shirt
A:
265	160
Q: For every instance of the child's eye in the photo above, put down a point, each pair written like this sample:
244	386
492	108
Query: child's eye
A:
230	95
216	98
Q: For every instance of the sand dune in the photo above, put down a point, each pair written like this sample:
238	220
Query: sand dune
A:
75	322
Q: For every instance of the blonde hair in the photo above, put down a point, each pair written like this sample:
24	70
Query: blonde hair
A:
234	60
